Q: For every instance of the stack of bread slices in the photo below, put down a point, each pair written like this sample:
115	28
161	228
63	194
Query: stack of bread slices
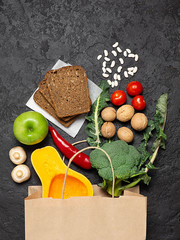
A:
64	94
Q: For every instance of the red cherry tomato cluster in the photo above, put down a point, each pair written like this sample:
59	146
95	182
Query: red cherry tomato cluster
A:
134	89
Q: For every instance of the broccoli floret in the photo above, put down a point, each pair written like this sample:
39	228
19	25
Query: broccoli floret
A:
125	160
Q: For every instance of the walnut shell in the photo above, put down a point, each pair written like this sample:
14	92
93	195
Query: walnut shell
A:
108	130
125	113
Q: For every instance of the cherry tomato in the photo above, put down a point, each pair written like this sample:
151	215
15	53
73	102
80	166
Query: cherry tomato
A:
134	88
118	97
138	102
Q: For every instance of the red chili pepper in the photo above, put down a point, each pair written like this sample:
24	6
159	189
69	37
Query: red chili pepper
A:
69	150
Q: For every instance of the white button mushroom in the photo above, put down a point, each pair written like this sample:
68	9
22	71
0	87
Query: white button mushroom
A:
20	173
17	155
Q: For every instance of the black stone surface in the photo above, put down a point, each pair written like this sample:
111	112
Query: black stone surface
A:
34	34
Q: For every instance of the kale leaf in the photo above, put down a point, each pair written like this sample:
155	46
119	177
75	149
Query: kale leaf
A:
93	128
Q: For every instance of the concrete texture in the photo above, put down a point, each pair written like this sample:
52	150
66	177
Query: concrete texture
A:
34	34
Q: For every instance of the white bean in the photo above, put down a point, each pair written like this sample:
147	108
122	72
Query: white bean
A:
105	53
109	82
125	54
109	70
131	55
130	68
125	74
119	69
115	76
103	69
114	53
136	57
115	83
135	69
119	50
130	73
118	77
105	75
104	64
121	60
107	59
128	50
113	63
99	57
112	84
115	44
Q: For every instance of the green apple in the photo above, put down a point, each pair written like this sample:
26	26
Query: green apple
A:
30	128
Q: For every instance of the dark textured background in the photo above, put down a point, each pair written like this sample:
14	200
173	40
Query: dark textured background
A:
34	34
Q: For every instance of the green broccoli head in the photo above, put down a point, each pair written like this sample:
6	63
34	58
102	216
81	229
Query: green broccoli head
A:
125	160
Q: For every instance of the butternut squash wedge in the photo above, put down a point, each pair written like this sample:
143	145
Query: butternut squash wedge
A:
51	171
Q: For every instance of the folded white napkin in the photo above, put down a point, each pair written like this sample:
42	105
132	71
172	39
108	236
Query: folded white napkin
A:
74	128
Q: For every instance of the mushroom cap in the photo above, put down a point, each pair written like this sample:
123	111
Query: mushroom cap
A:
108	114
108	130
20	173
125	113
125	134
17	155
139	121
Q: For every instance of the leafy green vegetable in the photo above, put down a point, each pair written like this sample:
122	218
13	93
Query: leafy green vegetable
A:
157	124
93	128
125	160
129	163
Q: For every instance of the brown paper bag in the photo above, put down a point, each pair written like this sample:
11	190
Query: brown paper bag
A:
87	218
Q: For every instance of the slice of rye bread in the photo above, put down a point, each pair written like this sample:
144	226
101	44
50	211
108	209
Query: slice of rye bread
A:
68	88
43	103
43	88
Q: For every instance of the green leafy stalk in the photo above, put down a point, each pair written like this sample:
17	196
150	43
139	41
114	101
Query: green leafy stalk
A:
129	163
157	124
93	128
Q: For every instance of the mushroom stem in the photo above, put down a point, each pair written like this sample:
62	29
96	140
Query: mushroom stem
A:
16	155
19	173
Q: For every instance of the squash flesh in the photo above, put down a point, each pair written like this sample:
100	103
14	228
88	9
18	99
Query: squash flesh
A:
51	171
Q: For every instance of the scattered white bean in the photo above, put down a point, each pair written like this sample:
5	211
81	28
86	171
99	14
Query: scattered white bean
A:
109	70
119	50
135	69
115	44
121	60
103	69
113	63
109	82
130	73
130	69
105	53
119	69
115	83
99	57
131	55
125	74
128	50
107	59
136	57
105	75
114	53
115	76
125	54
104	64
118	77
112	84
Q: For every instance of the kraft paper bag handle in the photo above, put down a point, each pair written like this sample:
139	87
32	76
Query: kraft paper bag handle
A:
71	159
